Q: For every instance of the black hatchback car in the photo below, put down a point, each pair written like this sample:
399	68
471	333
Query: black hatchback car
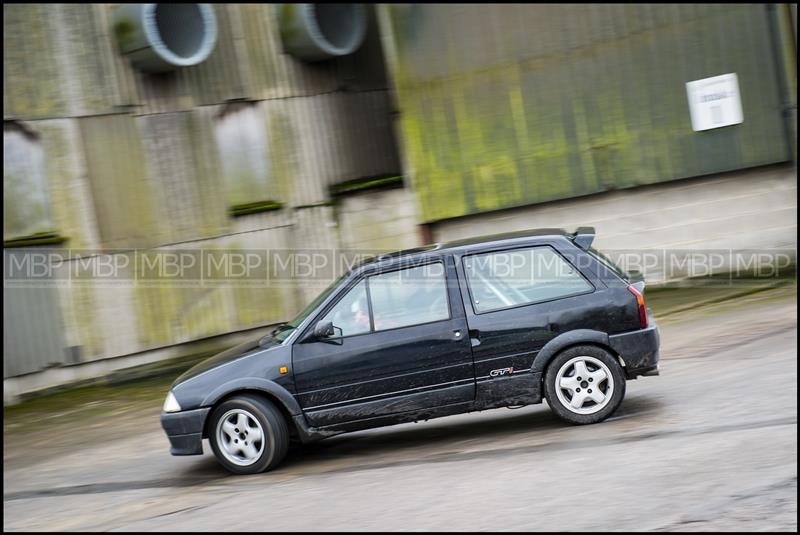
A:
499	321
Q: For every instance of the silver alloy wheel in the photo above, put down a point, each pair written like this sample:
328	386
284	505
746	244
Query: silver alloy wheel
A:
584	385
240	437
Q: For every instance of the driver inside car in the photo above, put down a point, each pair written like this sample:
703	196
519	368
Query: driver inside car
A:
360	315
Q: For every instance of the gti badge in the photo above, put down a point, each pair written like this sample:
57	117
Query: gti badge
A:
501	371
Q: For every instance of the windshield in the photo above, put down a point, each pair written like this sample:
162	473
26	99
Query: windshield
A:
282	332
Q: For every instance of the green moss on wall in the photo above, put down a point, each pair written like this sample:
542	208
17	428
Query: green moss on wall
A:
283	153
490	120
363	184
124	198
124	31
81	320
255	208
40	238
288	24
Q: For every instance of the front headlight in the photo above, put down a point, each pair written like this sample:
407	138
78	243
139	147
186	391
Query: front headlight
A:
171	404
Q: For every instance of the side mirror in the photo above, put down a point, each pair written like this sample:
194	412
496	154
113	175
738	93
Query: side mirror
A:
324	329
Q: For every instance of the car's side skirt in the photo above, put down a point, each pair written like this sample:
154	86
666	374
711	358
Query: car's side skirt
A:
419	401
394	419
522	388
516	387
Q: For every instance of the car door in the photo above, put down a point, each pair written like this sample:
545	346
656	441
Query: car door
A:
403	347
519	299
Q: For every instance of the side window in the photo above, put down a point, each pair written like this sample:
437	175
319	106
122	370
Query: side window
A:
351	313
517	277
409	297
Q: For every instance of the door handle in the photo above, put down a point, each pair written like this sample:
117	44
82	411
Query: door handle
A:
474	337
457	334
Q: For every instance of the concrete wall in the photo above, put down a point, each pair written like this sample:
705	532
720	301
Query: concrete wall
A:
108	326
111	159
379	220
752	209
135	160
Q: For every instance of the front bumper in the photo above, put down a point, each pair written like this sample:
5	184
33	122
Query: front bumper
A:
639	350
185	430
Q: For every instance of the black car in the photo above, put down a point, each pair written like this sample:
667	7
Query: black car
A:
444	329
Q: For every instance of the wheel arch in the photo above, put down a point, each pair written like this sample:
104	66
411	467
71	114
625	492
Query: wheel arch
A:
562	342
279	396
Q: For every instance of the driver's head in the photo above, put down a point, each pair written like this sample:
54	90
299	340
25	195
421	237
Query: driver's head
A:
360	314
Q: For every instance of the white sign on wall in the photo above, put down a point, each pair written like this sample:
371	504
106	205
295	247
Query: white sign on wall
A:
714	102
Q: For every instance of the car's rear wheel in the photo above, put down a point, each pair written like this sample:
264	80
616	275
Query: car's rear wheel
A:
248	434
584	385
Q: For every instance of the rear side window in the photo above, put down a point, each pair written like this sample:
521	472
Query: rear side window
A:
521	276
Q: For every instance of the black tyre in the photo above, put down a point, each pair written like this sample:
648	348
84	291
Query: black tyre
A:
248	434
584	385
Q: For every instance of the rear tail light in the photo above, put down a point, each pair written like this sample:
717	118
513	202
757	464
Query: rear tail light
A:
642	309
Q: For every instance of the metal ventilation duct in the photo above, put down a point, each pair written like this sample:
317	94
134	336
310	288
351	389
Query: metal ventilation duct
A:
315	32
162	37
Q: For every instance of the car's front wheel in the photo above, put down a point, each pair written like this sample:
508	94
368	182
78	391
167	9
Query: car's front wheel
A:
248	434
584	385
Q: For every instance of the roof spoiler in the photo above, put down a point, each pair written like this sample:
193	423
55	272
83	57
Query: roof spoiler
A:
583	237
